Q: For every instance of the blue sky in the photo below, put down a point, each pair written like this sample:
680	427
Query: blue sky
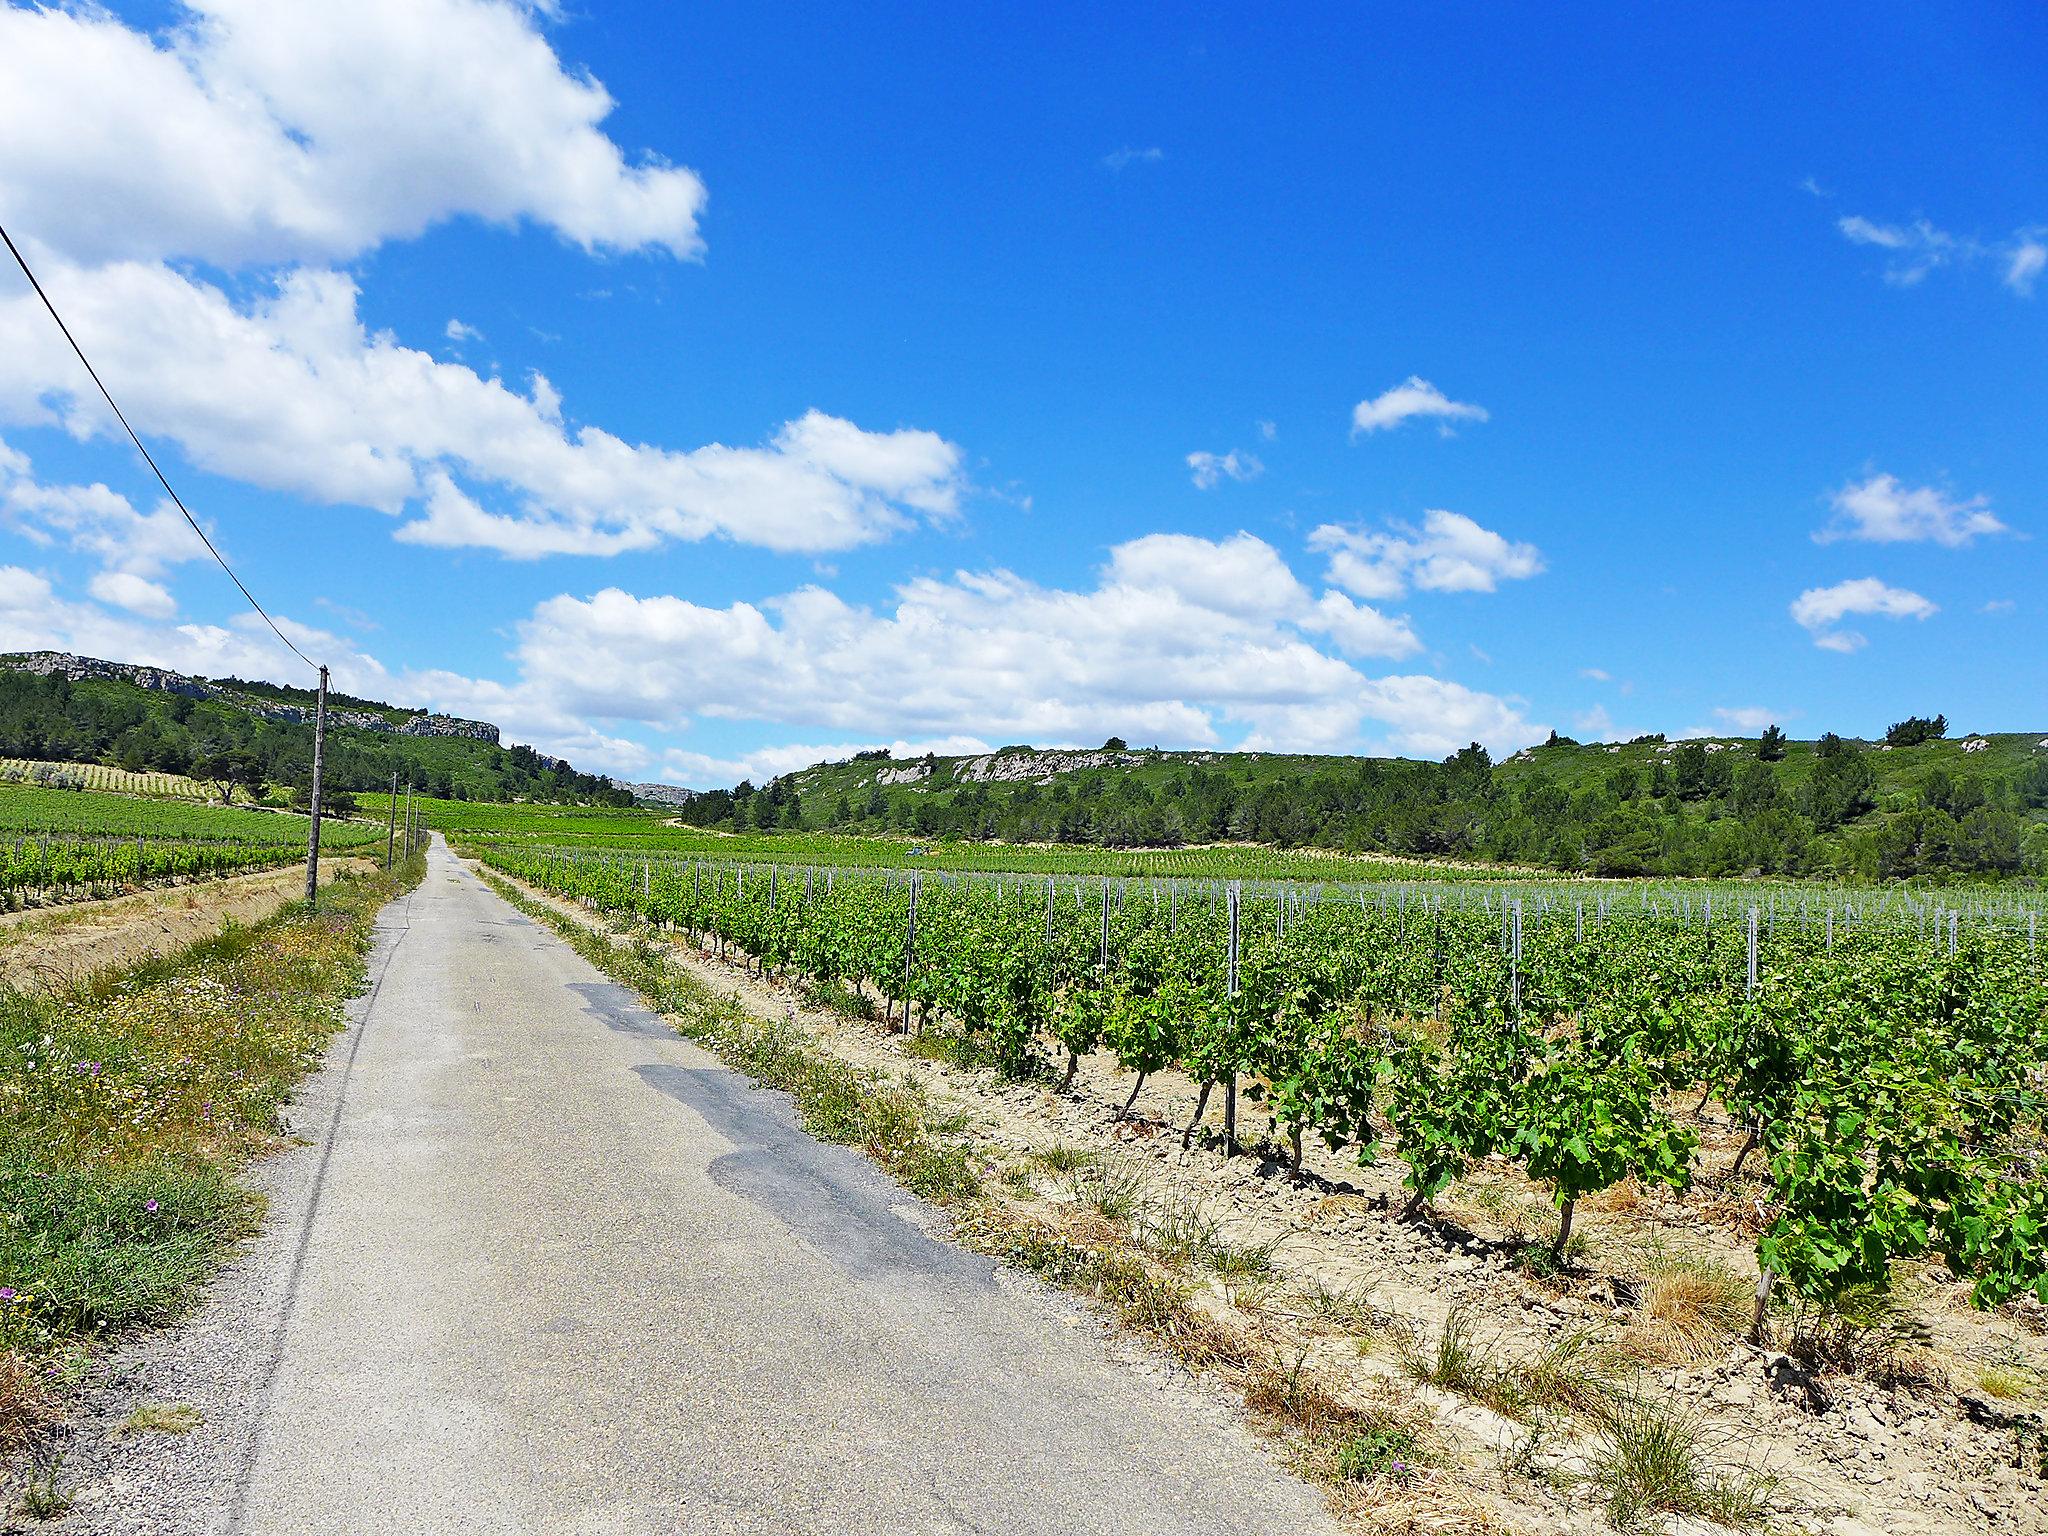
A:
1343	379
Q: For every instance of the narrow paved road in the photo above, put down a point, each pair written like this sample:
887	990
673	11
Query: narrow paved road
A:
562	1272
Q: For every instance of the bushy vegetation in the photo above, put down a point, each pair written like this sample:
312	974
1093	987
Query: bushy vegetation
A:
1831	807
125	1107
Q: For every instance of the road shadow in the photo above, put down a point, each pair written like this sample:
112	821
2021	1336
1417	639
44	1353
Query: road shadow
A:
619	1009
832	1198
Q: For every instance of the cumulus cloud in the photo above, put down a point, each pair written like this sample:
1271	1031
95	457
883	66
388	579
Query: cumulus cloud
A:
1820	610
1884	510
137	594
278	137
290	391
282	130
1448	553
35	616
1209	469
1360	630
683	766
94	521
1415	399
1179	639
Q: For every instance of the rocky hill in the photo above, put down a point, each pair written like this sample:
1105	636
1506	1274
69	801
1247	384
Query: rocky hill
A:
60	708
270	703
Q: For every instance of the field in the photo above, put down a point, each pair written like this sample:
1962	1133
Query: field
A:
656	833
67	843
167	786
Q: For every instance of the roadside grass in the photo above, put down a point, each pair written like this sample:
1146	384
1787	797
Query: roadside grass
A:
162	1419
1655	1458
126	1104
1573	1373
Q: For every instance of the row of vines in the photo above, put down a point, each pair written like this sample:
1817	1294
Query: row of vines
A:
62	845
1893	1075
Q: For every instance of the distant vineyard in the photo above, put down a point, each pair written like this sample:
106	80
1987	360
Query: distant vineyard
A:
67	844
173	786
650	832
1886	1055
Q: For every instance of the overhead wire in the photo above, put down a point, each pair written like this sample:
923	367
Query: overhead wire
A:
176	500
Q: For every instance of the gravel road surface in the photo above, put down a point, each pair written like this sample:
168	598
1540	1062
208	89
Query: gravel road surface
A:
543	1266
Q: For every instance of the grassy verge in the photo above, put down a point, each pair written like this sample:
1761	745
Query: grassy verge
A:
126	1106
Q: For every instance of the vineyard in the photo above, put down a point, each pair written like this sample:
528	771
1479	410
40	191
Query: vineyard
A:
70	844
100	776
656	833
1886	1054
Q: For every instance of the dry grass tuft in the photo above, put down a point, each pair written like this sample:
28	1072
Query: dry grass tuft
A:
1691	1308
25	1407
162	1419
2006	1382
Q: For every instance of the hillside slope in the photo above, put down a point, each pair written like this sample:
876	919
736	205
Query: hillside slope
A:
1955	807
79	709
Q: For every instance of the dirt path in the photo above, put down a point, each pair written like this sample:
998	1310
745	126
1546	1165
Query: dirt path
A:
53	946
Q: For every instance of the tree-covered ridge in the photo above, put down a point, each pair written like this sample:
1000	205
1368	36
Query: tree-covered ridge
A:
108	721
1934	807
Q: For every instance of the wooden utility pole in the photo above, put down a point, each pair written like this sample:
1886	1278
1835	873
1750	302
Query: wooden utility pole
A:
313	834
391	825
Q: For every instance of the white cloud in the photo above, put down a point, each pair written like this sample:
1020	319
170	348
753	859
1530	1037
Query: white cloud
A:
274	130
1417	398
1916	249
1180	640
680	766
94	521
1360	630
291	392
1594	724
1883	510
1118	159
33	616
1750	719
1208	469
135	593
1449	553
2024	266
1596	674
1269	430
1242	576
1819	610
1998	605
458	332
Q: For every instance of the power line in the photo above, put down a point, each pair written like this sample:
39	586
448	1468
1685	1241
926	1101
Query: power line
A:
22	262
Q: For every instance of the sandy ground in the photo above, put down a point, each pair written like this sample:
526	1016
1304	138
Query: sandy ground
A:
1936	1456
54	946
